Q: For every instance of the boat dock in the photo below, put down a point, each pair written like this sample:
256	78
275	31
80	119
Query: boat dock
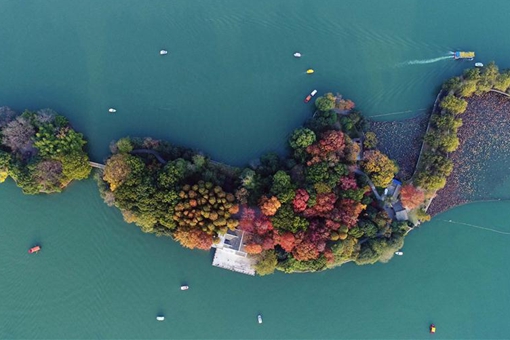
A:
231	261
230	253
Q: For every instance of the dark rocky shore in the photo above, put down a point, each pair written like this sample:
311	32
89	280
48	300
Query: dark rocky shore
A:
401	141
482	161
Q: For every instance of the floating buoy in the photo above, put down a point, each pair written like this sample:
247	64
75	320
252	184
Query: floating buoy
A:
309	71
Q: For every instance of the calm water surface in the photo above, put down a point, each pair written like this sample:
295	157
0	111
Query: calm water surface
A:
231	87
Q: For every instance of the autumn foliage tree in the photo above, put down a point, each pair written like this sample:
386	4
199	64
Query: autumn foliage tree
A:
329	148
269	206
193	238
300	200
411	196
379	168
205	207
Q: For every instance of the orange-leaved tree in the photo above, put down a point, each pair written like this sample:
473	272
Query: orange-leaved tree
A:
411	196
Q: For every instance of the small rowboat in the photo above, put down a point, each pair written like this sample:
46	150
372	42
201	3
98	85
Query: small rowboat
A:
160	318
34	249
184	287
432	329
297	55
313	93
163	52
310	71
259	318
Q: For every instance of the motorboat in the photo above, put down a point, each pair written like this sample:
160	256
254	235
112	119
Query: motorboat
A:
160	318
310	71
297	55
399	253
457	55
184	287
313	93
34	249
478	65
259	318
432	329
112	110
163	52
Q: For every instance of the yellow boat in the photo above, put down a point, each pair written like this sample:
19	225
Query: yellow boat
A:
309	71
463	55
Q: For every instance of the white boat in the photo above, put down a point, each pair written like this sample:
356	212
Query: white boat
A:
314	92
184	287
160	318
478	65
399	253
112	110
163	52
297	55
259	318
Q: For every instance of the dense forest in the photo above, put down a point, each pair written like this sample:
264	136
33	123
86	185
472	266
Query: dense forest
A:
308	211
40	151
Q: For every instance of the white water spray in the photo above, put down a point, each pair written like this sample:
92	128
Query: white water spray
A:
427	61
478	227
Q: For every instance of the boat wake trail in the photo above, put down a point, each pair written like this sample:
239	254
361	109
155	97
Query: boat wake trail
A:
426	61
478	227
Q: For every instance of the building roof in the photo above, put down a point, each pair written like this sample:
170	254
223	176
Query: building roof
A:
401	215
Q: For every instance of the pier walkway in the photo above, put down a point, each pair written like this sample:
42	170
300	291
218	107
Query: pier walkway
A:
97	165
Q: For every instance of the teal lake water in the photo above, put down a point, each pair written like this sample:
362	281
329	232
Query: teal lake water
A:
230	87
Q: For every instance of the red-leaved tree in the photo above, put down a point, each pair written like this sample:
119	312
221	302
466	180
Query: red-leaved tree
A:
325	204
347	211
411	196
329	148
300	200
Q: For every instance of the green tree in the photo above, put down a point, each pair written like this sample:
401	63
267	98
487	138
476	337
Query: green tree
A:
430	181
502	82
449	143
75	166
5	159
301	138
437	164
326	102
173	172
323	120
286	220
490	72
453	104
282	187
467	89
447	122
370	141
266	263
452	84
124	145
472	74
